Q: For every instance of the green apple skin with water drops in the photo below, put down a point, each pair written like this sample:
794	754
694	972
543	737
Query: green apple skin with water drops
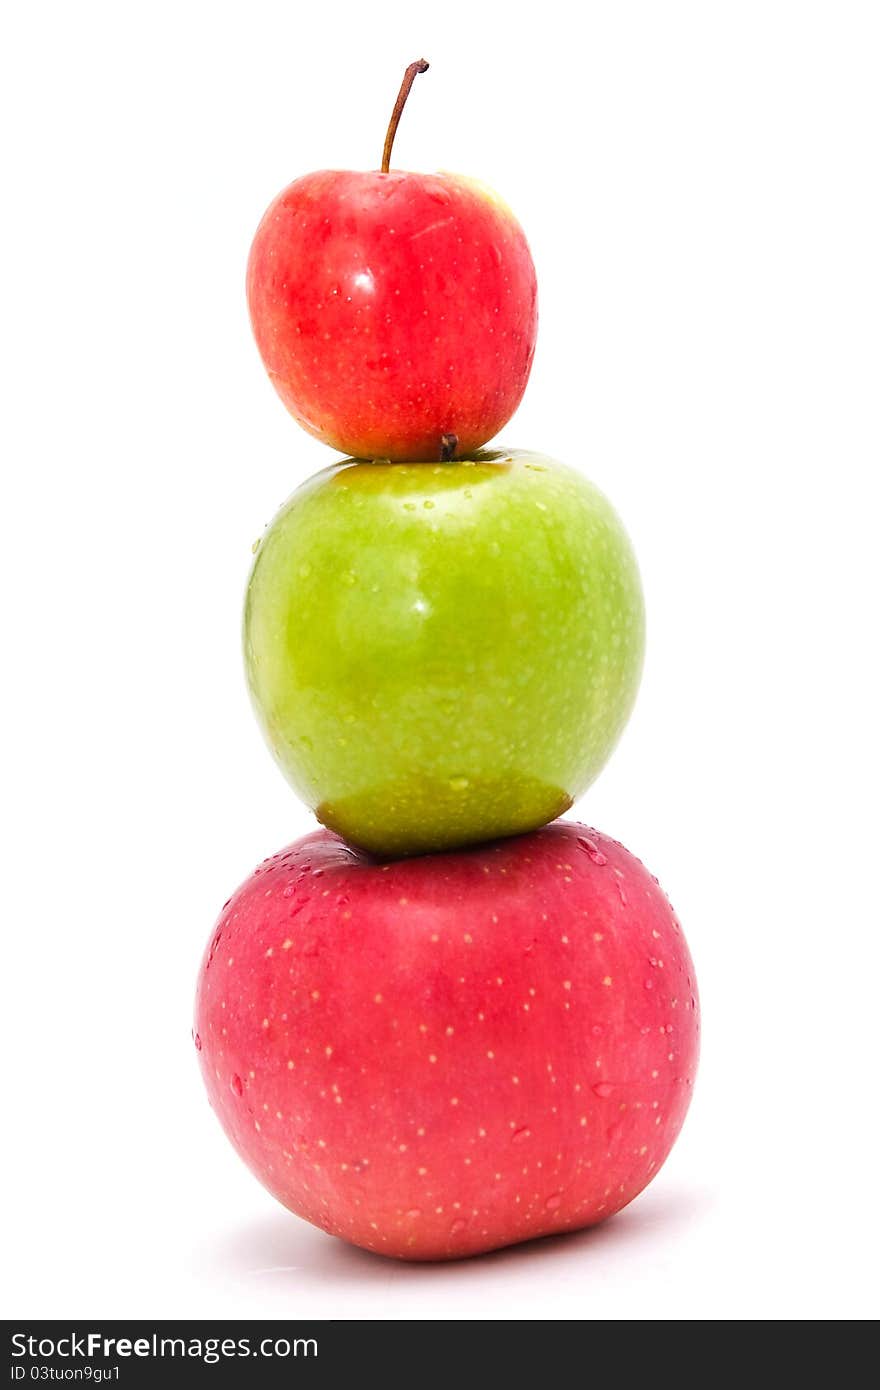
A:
440	655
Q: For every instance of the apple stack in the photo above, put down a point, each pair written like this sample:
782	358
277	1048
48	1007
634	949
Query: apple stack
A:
447	1021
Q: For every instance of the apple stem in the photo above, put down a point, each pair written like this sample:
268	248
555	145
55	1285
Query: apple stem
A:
409	78
448	446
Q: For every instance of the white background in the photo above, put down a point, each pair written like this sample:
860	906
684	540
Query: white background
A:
699	185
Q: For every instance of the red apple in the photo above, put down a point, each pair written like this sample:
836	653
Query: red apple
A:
396	313
438	1056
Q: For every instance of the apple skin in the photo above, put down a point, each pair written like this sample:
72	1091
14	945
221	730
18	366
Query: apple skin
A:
392	309
443	655
439	1056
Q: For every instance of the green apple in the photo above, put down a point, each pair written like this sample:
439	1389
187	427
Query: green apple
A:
440	655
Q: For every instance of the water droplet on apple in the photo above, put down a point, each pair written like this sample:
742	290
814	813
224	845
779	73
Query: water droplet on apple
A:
603	1090
198	1042
592	850
235	1085
553	1201
649	984
520	1135
414	1213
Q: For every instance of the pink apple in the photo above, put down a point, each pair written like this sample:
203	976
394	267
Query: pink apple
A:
396	313
438	1056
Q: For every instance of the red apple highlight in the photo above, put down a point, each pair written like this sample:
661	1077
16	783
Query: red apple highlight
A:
439	1056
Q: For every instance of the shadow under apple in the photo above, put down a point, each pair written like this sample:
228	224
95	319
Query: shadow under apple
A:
285	1251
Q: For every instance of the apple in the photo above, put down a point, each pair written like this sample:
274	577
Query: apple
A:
441	655
439	1056
396	313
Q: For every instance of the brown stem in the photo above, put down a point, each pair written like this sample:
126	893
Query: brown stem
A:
409	78
448	446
